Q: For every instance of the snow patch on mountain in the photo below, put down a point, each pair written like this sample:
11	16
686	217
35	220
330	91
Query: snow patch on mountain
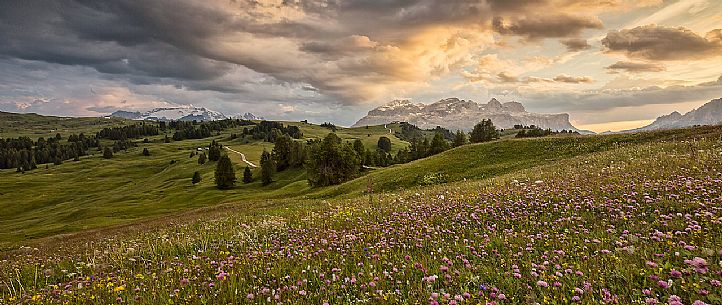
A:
180	113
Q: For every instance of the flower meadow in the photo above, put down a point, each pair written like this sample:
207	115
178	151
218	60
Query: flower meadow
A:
635	225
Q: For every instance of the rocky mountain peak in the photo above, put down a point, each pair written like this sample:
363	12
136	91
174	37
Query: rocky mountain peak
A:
708	114
454	113
514	107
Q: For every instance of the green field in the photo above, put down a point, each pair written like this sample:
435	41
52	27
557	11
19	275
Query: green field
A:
617	219
96	192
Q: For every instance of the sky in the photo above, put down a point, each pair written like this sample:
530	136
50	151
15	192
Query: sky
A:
610	64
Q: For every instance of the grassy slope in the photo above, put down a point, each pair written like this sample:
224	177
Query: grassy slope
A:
583	198
96	192
495	158
13	125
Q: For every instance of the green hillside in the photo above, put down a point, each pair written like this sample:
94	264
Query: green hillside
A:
595	225
95	192
491	159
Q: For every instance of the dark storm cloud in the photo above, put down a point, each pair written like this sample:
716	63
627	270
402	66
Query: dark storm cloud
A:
655	42
635	67
546	26
576	44
107	36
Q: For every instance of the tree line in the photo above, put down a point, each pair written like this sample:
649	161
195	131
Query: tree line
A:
24	154
535	132
269	131
128	132
203	129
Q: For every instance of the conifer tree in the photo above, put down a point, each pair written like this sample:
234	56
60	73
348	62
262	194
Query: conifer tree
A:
202	159
146	152
107	153
247	175
459	138
225	175
484	131
214	152
438	144
282	152
267	168
384	144
196	177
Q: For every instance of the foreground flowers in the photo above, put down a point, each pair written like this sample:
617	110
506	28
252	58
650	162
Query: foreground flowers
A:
601	230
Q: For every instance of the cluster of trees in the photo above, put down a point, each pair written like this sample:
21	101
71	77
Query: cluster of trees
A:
409	132
123	145
128	132
191	132
204	129
287	153
269	131
332	161
538	132
330	126
25	154
483	131
422	148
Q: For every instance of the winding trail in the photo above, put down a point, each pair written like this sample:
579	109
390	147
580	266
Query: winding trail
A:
243	157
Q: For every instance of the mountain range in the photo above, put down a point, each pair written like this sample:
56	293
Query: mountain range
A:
181	113
708	114
454	113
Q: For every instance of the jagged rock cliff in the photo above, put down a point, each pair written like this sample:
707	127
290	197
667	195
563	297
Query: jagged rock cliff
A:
453	113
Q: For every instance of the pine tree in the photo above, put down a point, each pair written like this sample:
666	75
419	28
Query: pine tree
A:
214	152
107	153
282	152
247	175
484	131
384	144
438	144
267	168
332	162
196	177
146	152
459	138
225	175
202	159
191	155
358	146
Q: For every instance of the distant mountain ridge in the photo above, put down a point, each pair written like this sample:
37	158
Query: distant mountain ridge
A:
181	113
708	114
454	113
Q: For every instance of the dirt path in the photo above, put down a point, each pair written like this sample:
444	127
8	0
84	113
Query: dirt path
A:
243	157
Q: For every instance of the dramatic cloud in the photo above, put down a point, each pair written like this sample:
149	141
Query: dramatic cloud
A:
663	43
318	58
546	26
635	67
576	44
